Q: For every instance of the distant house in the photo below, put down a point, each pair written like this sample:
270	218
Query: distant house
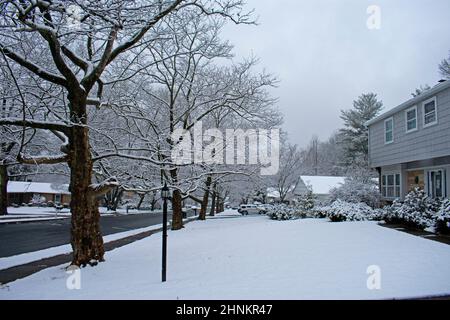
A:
409	145
26	192
320	186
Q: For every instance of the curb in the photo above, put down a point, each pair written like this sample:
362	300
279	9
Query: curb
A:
21	271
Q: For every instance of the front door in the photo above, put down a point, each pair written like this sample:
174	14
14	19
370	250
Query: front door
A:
436	183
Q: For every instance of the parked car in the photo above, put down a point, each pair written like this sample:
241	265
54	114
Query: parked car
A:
246	209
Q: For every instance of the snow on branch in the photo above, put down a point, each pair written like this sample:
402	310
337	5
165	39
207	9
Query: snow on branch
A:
56	126
99	189
46	75
42	160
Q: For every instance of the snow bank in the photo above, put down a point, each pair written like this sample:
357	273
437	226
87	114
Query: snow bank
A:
252	257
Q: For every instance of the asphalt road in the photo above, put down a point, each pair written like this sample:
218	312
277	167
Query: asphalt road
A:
31	236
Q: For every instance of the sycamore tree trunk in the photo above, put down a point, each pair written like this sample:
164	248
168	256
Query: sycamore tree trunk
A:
3	190
86	238
177	206
204	204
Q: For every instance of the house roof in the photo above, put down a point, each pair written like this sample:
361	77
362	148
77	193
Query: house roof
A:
37	187
274	193
411	102
322	184
319	185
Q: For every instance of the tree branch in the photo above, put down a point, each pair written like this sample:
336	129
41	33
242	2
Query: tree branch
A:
33	67
36	124
42	160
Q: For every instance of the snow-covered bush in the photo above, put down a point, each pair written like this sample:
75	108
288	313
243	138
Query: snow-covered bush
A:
280	212
356	190
418	211
320	211
443	218
284	212
391	213
305	205
306	201
348	211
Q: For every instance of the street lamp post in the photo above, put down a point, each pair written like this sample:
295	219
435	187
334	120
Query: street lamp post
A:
165	195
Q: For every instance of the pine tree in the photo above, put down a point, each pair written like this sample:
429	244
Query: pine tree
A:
354	136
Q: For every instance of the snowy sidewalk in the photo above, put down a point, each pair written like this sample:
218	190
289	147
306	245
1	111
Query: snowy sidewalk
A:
257	258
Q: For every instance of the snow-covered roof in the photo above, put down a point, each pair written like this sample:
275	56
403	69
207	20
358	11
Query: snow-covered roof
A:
37	187
272	193
322	184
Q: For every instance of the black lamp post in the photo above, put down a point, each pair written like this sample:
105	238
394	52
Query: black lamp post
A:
165	195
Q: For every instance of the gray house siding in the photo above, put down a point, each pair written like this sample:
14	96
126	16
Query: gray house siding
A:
421	157
404	168
424	143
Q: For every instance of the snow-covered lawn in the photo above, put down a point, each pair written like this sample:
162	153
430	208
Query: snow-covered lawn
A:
234	257
35	211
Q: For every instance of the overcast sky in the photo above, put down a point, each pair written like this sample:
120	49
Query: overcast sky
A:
325	56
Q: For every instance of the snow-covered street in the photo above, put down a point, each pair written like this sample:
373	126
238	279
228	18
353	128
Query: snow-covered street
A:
253	257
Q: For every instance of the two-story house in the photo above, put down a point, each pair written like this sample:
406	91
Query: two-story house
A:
409	145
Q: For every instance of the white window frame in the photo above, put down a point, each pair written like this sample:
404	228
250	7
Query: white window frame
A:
435	111
406	119
384	187
387	120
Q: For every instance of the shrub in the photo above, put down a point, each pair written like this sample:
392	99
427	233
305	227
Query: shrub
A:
418	211
356	190
340	211
443	218
306	201
320	212
280	212
284	212
391	213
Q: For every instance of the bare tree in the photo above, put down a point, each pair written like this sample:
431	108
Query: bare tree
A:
288	176
36	35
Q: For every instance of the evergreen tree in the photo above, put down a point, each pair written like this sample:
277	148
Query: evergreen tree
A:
354	135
